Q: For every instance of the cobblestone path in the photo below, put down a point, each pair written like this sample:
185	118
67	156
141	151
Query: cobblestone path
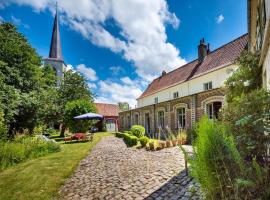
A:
113	171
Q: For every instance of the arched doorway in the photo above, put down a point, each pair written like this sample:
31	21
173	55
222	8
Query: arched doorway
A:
213	108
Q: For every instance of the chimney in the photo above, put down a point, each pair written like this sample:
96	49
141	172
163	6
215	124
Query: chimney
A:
203	50
163	72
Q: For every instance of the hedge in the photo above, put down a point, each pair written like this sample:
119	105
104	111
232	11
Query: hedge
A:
130	140
144	140
138	130
119	134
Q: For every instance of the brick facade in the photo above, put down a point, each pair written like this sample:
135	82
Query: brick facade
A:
195	108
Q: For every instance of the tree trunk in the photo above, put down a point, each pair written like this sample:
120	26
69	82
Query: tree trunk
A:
62	132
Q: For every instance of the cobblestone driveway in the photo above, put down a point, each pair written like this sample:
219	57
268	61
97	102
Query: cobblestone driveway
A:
113	171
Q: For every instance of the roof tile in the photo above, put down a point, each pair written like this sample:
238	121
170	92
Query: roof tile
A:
109	110
218	58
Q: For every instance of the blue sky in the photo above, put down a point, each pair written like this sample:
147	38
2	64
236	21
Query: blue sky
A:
120	46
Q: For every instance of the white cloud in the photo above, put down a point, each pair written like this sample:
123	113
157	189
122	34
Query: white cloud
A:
18	22
69	67
88	72
92	85
116	69
142	25
127	80
112	92
220	18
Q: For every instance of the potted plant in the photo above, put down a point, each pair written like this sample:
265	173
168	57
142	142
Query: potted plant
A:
152	145
173	139
168	143
162	144
182	137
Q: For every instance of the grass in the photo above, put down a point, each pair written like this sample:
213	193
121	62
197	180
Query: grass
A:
41	178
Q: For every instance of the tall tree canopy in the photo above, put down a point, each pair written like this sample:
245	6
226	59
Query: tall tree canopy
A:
28	93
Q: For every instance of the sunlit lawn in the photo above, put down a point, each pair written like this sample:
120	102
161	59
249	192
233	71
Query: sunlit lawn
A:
41	178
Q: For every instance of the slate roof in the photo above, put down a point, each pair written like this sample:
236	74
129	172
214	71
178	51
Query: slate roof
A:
110	110
221	57
55	48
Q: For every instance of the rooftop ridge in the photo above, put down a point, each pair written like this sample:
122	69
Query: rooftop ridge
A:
221	56
207	55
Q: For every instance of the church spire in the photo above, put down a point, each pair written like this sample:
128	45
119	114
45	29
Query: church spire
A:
55	48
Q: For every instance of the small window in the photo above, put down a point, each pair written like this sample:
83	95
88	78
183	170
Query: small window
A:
175	95
207	86
156	100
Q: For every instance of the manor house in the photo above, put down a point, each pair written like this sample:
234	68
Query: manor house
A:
179	98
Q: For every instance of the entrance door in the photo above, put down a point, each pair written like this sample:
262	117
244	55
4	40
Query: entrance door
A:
110	125
213	109
147	123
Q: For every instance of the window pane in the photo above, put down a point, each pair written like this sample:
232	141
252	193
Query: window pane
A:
181	115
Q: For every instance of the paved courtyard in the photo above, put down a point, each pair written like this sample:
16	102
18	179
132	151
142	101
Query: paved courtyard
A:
113	171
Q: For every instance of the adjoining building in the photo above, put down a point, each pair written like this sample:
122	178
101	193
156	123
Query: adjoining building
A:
110	113
259	35
179	98
55	58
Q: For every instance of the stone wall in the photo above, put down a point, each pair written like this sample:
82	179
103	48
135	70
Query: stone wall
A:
195	107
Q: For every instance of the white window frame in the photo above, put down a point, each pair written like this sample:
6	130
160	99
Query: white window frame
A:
183	115
175	95
161	121
208	86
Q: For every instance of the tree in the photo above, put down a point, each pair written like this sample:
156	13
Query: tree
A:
26	88
75	108
73	87
123	106
22	64
248	109
246	78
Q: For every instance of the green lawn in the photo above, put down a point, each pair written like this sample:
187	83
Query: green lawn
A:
41	178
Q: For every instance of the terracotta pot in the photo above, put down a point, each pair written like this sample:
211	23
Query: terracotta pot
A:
163	144
179	141
174	142
168	143
152	146
184	142
159	147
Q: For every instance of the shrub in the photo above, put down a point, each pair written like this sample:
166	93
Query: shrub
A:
137	130
51	131
144	140
24	148
119	134
249	117
191	134
130	140
39	130
75	108
3	127
217	163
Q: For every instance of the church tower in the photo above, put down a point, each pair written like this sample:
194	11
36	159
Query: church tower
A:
55	58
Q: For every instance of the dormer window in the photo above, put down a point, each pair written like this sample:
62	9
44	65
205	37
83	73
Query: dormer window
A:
156	100
175	95
207	86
